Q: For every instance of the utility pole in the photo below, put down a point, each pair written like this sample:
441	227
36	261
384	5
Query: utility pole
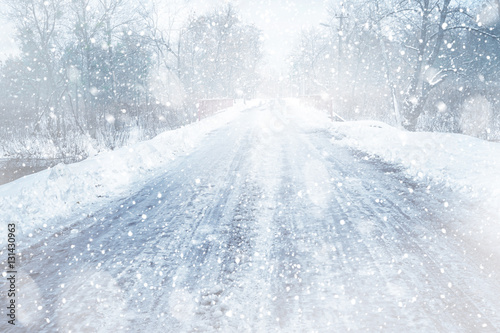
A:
341	18
340	34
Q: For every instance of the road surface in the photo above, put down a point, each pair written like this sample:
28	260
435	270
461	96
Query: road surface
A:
267	226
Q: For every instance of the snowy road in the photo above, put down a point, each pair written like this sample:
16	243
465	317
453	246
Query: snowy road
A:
267	226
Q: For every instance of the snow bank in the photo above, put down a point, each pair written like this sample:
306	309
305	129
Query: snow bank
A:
462	162
465	164
35	201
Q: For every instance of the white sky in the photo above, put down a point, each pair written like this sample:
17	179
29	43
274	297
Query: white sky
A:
280	21
7	43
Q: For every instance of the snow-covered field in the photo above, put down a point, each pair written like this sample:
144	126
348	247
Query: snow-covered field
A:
35	201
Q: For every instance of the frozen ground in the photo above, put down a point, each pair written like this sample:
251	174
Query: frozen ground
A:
267	224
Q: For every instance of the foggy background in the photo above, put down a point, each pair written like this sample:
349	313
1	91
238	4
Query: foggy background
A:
79	77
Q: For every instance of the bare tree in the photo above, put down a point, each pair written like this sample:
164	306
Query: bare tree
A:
432	24
39	25
219	55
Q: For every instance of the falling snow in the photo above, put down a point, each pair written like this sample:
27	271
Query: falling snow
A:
227	166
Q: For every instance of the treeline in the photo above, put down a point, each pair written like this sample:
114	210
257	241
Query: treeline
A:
94	74
422	64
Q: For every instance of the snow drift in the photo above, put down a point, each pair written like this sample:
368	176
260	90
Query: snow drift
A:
35	201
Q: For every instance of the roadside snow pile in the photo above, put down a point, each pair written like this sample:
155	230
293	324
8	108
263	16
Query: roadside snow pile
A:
33	201
462	162
467	165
